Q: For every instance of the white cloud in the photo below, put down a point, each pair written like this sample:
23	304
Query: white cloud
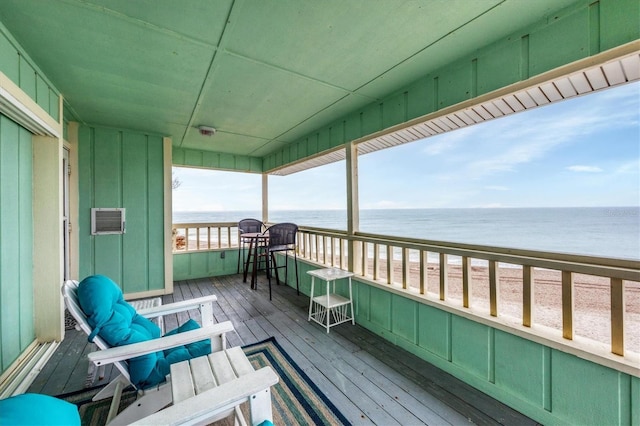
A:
585	169
500	145
496	188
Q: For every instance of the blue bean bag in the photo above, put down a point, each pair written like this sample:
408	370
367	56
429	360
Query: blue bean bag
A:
36	409
117	322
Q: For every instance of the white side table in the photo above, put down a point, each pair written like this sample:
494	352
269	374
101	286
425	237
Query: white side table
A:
330	309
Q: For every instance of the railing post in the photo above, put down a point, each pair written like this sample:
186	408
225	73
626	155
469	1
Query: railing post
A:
444	275
324	250
376	261
365	258
466	281
424	271
527	295
389	264
494	277
617	316
567	305
405	267
333	250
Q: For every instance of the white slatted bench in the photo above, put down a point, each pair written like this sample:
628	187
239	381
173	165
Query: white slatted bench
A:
209	388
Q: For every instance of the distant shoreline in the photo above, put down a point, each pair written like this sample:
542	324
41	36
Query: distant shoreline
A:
612	232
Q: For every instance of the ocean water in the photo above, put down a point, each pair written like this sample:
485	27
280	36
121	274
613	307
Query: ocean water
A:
599	231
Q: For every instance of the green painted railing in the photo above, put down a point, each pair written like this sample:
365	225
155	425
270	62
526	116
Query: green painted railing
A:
583	301
204	236
589	303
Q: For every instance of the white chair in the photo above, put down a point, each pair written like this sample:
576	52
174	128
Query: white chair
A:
158	397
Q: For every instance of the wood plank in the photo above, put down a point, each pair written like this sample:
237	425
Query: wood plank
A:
328	356
222	369
413	402
333	357
476	406
201	374
183	387
294	346
239	361
67	361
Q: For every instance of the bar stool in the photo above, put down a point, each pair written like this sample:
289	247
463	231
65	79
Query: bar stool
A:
246	226
282	239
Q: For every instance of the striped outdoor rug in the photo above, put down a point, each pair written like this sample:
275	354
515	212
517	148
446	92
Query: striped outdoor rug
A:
296	399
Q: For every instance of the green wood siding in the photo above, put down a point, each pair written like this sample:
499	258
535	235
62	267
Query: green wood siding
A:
123	169
551	386
16	64
204	264
17	329
582	30
435	331
214	160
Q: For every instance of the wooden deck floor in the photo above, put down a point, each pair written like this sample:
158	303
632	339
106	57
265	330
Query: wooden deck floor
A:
370	380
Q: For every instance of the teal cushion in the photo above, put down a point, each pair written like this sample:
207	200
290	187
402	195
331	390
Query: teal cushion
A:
36	409
190	350
117	322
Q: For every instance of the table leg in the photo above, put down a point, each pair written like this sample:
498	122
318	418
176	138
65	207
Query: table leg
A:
353	314
311	297
254	273
328	308
246	263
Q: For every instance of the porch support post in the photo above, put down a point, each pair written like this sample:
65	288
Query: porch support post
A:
265	198
74	201
353	207
167	149
48	244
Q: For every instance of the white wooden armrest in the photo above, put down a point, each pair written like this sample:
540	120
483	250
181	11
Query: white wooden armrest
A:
121	353
226	396
175	307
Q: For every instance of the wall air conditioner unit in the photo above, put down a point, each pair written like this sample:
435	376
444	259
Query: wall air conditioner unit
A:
107	221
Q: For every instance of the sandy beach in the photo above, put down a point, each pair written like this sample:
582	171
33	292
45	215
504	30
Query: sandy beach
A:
591	307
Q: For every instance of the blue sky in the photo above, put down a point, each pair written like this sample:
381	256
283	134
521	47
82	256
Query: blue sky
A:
580	152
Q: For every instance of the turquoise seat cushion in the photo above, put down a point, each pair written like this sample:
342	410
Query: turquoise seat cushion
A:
36	409
190	350
117	322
